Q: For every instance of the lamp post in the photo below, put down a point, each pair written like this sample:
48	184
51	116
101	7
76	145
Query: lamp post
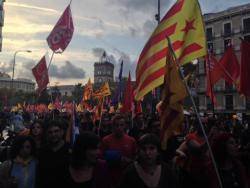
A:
14	63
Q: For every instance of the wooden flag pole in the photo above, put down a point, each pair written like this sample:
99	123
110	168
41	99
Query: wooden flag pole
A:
196	111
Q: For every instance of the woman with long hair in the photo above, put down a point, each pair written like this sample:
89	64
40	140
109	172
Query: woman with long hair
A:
20	171
148	171
37	133
231	170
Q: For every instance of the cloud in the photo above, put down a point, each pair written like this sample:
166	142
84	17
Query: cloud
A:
67	71
128	65
98	52
26	70
148	27
140	5
6	67
20	5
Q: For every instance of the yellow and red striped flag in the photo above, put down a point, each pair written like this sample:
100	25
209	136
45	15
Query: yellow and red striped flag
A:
103	91
171	108
88	90
183	24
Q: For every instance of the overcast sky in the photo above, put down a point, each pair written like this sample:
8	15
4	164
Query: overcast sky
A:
120	27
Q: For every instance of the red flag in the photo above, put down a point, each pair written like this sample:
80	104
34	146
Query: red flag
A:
245	68
230	65
57	104
214	74
128	96
40	72
62	33
138	108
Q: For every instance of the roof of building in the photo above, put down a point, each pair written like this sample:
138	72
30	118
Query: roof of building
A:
230	11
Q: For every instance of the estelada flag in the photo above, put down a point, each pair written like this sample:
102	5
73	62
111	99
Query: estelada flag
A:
40	72
62	33
171	108
183	24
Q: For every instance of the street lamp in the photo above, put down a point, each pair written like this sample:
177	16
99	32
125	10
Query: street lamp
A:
14	63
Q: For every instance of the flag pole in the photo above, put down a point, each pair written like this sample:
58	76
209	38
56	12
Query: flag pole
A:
210	83
50	61
196	112
99	126
51	99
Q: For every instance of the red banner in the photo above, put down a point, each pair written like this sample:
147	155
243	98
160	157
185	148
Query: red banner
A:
40	72
62	33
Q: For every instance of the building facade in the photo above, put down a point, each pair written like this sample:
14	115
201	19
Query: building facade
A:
22	84
224	28
103	71
64	90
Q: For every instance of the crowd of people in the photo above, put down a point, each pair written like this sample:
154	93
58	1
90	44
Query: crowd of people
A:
118	151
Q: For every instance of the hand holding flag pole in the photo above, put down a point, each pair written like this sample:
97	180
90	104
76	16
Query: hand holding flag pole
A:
170	47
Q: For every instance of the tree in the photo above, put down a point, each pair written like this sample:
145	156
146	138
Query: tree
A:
77	93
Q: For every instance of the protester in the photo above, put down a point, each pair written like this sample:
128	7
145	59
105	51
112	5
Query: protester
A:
36	132
192	158
148	171
231	170
20	171
139	126
53	157
85	169
118	149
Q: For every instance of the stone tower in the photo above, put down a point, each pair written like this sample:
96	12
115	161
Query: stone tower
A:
103	70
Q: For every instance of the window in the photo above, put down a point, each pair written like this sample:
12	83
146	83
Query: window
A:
99	80
209	34
227	43
202	101
219	101
239	101
209	104
247	38
227	29
228	87
246	25
229	102
210	46
201	67
202	84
